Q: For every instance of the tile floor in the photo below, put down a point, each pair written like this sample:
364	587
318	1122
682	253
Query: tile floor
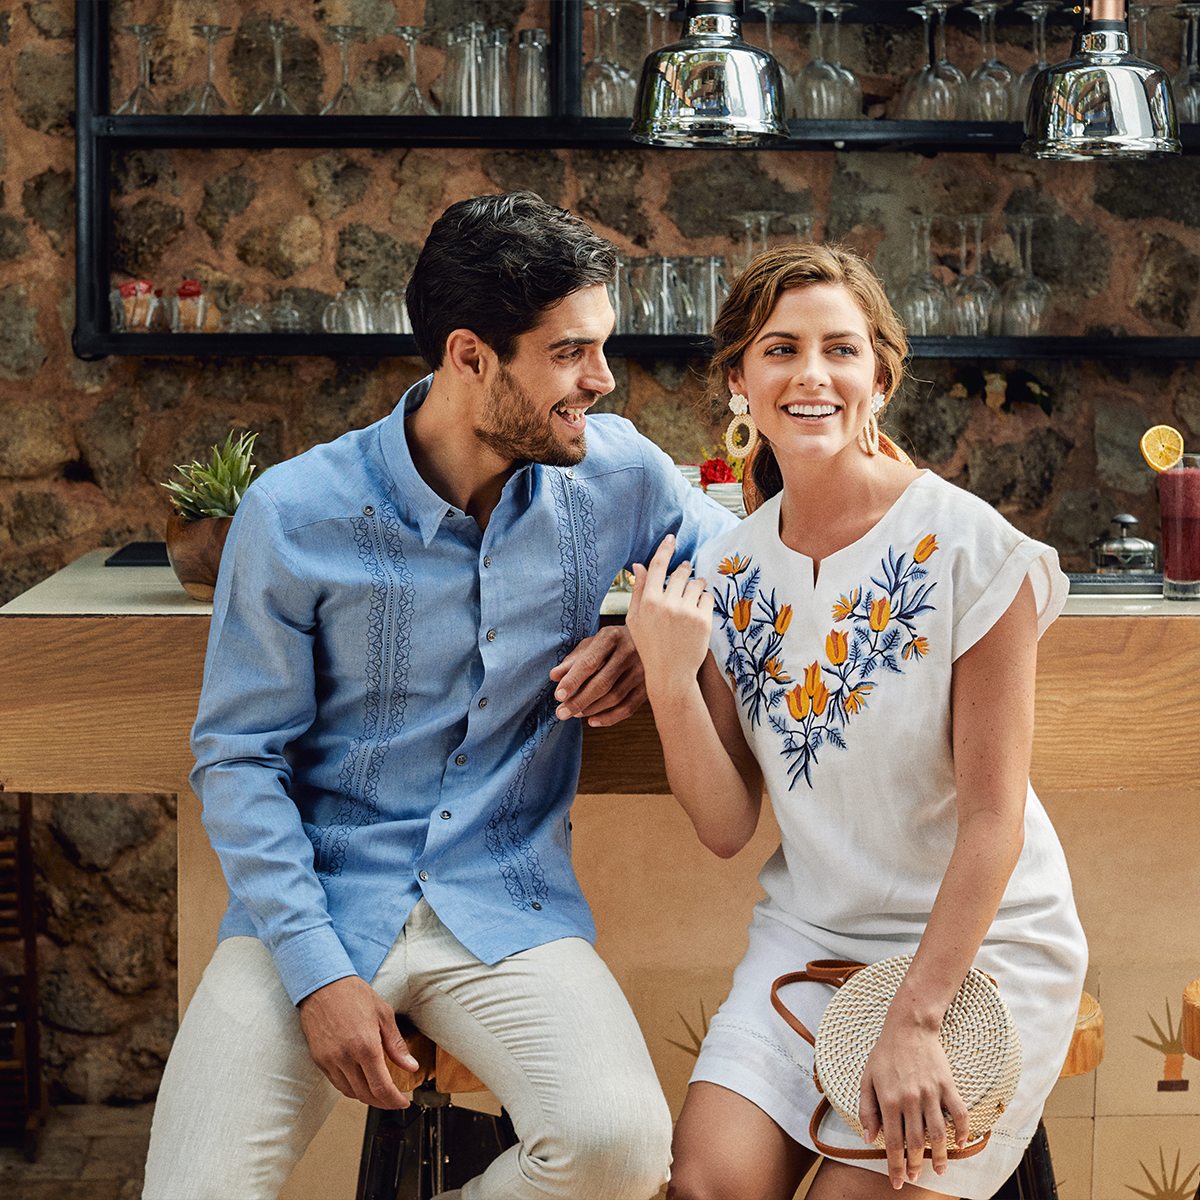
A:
88	1152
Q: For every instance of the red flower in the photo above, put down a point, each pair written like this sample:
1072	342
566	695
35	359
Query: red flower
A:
716	470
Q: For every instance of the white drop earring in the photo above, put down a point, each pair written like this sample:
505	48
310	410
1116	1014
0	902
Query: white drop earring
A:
871	429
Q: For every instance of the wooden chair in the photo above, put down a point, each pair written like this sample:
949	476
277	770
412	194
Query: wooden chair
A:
417	1152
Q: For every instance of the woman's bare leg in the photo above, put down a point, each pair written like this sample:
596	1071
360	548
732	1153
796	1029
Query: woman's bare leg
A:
727	1148
844	1181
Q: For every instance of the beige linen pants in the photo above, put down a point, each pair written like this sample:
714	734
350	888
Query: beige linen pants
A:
548	1030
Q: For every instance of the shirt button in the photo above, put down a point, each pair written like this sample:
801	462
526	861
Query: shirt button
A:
570	474
424	876
461	759
536	905
491	635
368	510
483	702
445	814
487	560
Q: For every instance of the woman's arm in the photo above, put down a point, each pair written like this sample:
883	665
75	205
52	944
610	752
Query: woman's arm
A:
907	1083
710	768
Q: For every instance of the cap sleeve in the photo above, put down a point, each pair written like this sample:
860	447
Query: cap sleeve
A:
988	575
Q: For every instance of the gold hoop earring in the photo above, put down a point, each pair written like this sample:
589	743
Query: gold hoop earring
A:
742	420
870	435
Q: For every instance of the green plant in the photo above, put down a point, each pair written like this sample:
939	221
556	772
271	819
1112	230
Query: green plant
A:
217	489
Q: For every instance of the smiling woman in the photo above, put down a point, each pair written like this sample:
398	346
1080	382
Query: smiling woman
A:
867	649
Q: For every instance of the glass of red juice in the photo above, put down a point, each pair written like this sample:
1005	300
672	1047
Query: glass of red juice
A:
1179	503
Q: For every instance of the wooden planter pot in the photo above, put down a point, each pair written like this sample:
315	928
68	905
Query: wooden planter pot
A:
194	550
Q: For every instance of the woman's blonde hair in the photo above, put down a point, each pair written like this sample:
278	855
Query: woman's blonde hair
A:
751	301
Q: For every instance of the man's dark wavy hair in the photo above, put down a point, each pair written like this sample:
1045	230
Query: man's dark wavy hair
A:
494	265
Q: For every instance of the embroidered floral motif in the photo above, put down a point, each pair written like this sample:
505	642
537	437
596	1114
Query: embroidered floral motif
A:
879	622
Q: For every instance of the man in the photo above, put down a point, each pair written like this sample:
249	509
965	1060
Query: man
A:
404	635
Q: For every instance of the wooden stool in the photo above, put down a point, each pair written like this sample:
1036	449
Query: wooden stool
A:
416	1152
1034	1177
1191	1019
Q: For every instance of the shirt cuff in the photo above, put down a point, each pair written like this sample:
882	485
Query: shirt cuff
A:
310	960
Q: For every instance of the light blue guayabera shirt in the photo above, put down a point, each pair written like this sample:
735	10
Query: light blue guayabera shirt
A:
377	720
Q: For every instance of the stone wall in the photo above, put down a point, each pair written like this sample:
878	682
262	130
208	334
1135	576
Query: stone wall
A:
85	445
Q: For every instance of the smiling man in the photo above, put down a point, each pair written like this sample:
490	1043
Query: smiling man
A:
404	646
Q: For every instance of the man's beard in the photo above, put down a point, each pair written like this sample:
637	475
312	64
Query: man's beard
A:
520	433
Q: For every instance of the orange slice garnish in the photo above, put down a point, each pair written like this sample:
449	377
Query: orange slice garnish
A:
1162	447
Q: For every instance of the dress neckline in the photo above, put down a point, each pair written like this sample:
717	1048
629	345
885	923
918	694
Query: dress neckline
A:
818	569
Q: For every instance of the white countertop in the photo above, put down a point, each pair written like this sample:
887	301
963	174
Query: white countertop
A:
88	588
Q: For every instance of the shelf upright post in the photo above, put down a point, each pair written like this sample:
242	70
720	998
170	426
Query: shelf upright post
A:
566	59
92	169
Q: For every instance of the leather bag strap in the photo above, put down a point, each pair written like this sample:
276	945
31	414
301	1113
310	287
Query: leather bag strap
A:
835	972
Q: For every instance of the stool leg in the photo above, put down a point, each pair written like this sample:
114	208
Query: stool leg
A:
1035	1175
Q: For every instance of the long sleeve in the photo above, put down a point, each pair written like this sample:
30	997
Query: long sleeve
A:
259	696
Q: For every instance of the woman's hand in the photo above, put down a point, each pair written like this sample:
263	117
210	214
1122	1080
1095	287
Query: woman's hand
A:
908	1091
670	620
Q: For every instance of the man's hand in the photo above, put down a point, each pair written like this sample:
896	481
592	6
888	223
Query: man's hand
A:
601	679
349	1029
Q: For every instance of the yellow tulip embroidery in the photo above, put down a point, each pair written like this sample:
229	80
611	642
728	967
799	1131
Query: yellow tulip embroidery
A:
880	621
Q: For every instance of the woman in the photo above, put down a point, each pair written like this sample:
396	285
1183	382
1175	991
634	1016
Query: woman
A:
868	647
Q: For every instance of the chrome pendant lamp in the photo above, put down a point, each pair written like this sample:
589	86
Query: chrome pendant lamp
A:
710	88
1102	102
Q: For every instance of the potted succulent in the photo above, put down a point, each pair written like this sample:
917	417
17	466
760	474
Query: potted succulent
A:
204	506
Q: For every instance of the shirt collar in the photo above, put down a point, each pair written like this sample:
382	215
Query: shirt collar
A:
414	497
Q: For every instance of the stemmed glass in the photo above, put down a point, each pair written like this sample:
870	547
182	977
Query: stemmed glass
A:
1024	299
345	102
1139	33
762	218
601	83
142	100
851	93
819	83
627	81
1186	85
412	102
277	103
1036	11
664	9
769	8
923	303
935	92
974	296
802	223
990	84
209	100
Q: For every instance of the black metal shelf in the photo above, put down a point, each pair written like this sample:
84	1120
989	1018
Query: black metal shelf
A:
387	345
99	133
586	133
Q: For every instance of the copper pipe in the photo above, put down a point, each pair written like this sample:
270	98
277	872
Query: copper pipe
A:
1108	10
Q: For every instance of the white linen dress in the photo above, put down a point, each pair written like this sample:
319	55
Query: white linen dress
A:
843	690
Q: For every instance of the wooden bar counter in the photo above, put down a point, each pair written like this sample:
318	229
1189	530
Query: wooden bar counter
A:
100	670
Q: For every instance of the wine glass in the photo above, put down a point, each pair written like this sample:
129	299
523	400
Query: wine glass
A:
851	92
664	9
627	81
923	303
412	102
974	297
1139	33
1024	299
819	83
142	100
602	85
802	223
277	103
1186	85
935	92
769	8
209	100
345	102
990	84
1036	11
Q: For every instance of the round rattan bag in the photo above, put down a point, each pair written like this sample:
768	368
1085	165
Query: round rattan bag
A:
978	1035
